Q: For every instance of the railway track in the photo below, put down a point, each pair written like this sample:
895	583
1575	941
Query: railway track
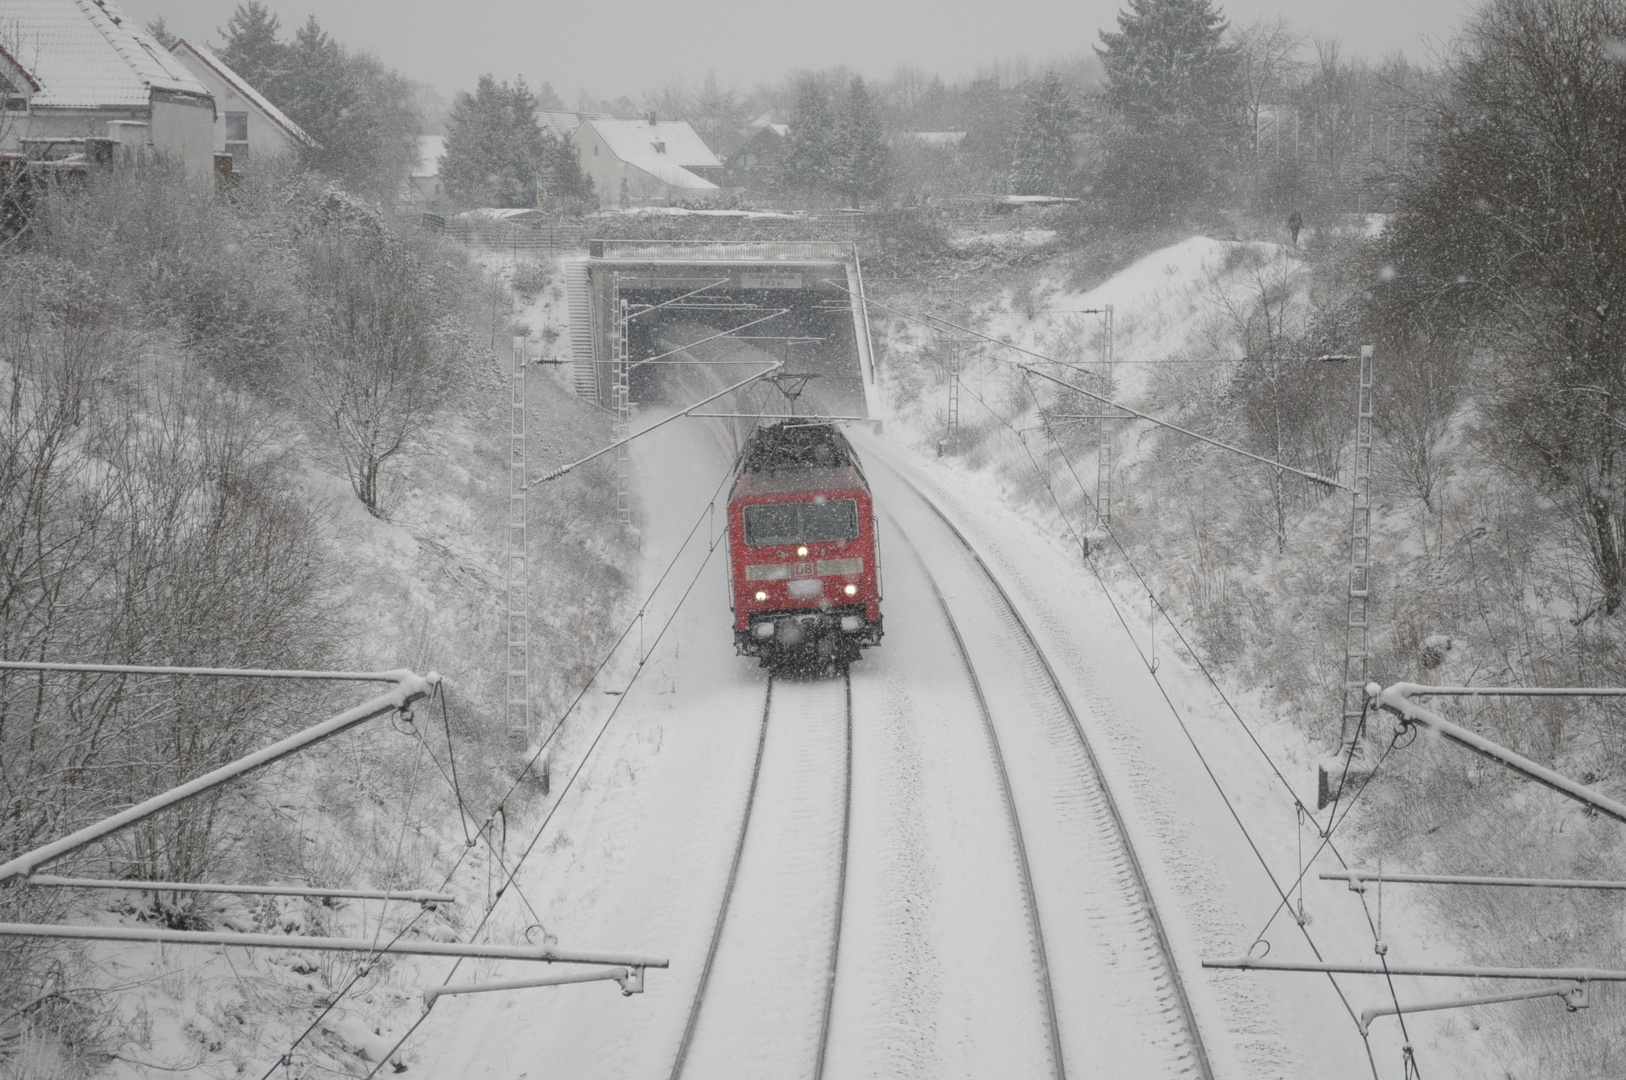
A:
763	1002
1116	1002
1012	816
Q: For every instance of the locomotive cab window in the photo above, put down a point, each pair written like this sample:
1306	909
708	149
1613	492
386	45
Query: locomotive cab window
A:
801	522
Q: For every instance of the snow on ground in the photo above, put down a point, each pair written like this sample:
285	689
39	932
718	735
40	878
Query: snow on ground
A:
1026	238
1214	893
1218	895
934	979
936	975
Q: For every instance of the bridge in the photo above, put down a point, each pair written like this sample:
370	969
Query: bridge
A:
644	311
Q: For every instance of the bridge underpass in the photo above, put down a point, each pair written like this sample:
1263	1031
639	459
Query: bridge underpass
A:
702	315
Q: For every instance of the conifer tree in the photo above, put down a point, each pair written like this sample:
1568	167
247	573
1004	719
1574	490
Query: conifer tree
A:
317	88
860	158
495	148
1042	163
252	48
1174	86
363	114
159	30
810	148
1169	61
562	172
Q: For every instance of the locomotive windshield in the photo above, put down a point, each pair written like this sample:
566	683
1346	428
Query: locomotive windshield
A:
801	522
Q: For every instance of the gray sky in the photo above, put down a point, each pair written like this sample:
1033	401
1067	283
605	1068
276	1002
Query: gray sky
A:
612	47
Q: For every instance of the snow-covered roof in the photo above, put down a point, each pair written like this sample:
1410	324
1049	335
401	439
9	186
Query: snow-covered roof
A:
431	148
562	124
672	174
634	140
208	59
86	54
666	150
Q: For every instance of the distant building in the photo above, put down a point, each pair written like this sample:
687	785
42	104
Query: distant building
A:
562	125
640	162
424	186
246	124
82	77
763	152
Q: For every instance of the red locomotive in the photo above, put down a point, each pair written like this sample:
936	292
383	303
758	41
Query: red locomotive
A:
804	577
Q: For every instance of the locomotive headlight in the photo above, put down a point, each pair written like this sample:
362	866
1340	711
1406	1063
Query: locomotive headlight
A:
801	552
761	596
851	590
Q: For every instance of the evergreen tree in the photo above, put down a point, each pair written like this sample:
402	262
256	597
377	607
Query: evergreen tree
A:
1042	163
495	149
363	114
317	90
810	149
1175	88
547	99
159	30
1169	60
252	48
562	173
988	115
859	164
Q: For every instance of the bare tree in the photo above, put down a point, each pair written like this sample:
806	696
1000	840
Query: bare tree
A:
1269	50
672	99
374	354
1291	406
1424	383
1512	238
143	521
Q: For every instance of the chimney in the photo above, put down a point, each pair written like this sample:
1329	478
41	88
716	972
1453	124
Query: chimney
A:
652	119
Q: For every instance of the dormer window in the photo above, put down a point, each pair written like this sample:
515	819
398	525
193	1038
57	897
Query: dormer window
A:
659	145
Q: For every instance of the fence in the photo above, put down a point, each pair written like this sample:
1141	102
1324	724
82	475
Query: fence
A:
551	238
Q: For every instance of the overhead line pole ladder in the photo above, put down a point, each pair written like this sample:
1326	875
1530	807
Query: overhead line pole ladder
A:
1332	775
621	404
1103	461
518	584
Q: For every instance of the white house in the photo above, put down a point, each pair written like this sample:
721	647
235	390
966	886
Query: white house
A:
77	70
639	162
246	124
424	186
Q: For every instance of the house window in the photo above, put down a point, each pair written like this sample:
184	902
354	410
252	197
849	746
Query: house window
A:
595	149
15	101
236	133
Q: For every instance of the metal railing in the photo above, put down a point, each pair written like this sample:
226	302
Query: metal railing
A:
553	238
773	250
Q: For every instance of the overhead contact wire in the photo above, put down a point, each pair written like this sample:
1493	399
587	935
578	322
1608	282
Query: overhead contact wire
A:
1179	719
581	764
366	966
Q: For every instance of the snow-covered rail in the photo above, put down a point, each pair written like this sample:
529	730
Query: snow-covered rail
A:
1122	1007
762	1006
1013	819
